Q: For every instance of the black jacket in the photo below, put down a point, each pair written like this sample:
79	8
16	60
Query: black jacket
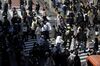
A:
77	61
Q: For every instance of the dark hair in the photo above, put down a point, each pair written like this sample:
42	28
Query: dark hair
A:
76	53
71	51
96	39
43	9
58	12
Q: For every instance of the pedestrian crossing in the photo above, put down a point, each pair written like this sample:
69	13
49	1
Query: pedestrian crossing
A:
83	55
28	46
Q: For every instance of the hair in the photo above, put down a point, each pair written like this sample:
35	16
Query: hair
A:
76	53
43	9
96	39
58	12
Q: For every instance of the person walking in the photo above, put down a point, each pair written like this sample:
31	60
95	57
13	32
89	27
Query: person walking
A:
49	61
0	4
37	7
38	33
5	7
59	41
25	31
30	5
10	3
96	45
71	59
77	61
58	20
21	3
44	15
45	31
33	28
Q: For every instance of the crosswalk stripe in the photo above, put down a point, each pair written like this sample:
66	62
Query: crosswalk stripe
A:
28	46
83	60
83	54
83	57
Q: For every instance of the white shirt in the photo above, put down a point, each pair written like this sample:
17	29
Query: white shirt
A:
59	40
58	19
85	16
49	26
44	28
72	44
43	13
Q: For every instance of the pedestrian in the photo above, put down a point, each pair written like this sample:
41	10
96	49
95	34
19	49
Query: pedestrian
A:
63	59
45	31
65	9
71	59
5	7
86	20
54	3
38	33
10	3
58	20
72	46
1	31
77	61
44	15
91	17
49	28
6	25
30	4
82	39
96	31
49	61
14	12
59	41
53	32
33	28
96	45
21	3
0	5
22	10
37	7
57	58
25	32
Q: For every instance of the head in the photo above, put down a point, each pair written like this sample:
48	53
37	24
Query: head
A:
58	12
76	53
43	9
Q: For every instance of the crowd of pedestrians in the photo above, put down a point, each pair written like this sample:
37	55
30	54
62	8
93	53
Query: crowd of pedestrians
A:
73	24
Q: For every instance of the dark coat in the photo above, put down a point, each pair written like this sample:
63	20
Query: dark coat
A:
37	6
5	7
77	61
30	5
96	44
9	1
21	2
0	5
